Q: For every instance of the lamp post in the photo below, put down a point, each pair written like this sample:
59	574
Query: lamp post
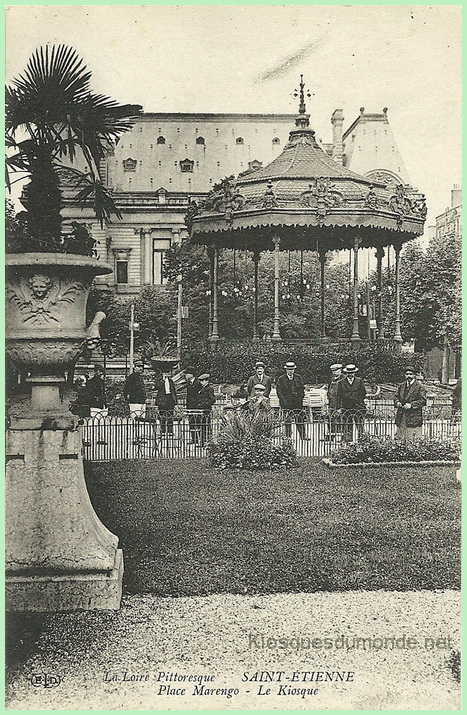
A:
133	327
179	314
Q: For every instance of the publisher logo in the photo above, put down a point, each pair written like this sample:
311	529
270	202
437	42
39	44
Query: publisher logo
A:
45	680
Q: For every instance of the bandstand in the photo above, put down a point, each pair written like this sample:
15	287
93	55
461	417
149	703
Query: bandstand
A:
305	201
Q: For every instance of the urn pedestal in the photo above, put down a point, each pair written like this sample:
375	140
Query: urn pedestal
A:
59	556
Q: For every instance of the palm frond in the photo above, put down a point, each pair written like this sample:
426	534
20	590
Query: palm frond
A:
53	96
103	204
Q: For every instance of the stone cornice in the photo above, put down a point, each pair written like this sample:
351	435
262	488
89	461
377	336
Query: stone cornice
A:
205	116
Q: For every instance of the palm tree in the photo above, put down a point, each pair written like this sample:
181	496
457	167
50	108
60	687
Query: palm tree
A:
51	118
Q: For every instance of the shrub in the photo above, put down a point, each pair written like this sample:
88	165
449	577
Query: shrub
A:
384	449
236	426
235	363
255	454
245	442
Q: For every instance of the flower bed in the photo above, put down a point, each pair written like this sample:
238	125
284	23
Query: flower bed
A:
426	463
371	450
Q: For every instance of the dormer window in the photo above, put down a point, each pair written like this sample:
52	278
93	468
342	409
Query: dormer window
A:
239	140
160	140
276	140
200	140
186	165
129	164
161	194
255	165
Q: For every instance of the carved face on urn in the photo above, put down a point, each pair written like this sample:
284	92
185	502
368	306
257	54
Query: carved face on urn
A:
40	285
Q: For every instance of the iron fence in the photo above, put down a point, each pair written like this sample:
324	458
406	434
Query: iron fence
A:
160	436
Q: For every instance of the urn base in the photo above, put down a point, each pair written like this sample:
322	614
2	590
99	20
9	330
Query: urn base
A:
66	592
59	555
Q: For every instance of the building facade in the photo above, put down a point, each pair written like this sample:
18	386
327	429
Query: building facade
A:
449	223
167	160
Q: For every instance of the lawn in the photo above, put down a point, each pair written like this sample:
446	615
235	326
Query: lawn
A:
187	529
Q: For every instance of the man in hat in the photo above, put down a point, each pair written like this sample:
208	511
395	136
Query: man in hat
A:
193	386
259	378
409	400
166	399
351	395
291	391
134	390
95	388
206	400
333	402
258	401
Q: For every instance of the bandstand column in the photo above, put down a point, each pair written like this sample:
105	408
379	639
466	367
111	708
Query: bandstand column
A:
322	260
379	287
214	337
276	335
355	337
256	257
210	252
397	322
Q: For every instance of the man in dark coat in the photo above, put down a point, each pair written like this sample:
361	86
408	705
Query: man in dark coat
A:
457	400
95	388
134	390
259	378
206	399
351	395
80	405
193	386
258	402
409	400
333	401
291	391
166	399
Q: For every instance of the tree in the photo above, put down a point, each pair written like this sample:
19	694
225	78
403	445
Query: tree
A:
430	294
154	312
16	230
51	115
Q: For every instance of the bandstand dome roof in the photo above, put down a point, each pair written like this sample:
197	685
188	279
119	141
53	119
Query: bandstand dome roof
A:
308	200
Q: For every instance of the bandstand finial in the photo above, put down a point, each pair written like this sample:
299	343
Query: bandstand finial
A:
302	119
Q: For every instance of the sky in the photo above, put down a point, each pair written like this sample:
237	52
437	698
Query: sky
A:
240	58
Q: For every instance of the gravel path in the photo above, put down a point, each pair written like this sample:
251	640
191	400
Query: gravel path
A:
220	636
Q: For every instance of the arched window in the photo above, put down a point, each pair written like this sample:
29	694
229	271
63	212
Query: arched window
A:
160	140
200	140
239	140
276	140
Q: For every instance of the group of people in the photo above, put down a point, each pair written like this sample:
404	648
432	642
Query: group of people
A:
346	403
346	394
199	400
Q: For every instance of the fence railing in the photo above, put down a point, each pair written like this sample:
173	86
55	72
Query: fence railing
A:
163	437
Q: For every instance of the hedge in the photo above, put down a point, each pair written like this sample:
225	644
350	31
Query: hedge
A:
234	364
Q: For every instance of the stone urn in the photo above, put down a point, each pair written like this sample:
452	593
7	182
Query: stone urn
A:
161	363
46	296
59	556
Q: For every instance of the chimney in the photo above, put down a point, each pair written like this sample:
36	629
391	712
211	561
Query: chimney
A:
337	121
456	196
